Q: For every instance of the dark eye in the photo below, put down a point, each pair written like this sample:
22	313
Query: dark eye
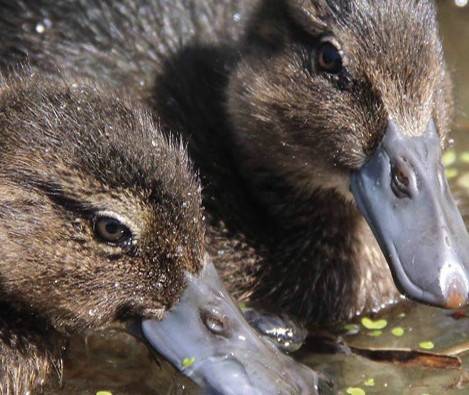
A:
329	58
111	230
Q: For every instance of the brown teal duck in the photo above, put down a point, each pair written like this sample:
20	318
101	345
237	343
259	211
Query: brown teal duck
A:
316	126
101	222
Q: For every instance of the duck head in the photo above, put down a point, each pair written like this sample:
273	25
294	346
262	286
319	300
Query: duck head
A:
101	221
353	96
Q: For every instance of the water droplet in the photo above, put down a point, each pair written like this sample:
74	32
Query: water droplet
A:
40	28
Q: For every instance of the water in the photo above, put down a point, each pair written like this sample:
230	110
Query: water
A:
378	361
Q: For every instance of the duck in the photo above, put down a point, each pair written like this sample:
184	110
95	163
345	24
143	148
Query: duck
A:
102	223
316	127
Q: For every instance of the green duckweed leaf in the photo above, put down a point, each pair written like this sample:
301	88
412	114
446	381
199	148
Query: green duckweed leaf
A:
355	391
427	345
370	382
351	327
464	157
187	362
448	158
368	323
375	333
451	172
397	331
104	393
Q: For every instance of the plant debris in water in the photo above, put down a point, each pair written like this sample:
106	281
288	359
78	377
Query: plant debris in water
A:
188	362
355	391
398	331
427	345
368	323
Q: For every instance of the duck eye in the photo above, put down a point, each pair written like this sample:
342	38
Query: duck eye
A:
111	230
329	58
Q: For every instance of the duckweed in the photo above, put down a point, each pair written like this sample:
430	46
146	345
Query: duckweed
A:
451	172
464	157
370	382
104	393
448	158
397	331
427	345
355	391
368	323
187	362
375	333
351	327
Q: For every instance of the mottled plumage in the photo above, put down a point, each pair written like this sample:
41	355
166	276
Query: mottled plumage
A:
70	154
274	137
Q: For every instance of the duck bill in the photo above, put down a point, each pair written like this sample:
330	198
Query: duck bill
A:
206	337
403	194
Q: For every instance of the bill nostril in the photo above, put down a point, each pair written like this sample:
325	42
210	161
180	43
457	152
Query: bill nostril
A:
216	322
400	181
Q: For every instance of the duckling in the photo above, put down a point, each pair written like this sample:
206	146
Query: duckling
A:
316	126
101	222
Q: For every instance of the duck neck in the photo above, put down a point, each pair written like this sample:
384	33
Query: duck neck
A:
29	350
328	265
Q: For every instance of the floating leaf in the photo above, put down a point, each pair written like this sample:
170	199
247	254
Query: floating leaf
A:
351	327
427	345
451	172
448	158
397	331
370	382
375	333
355	391
464	157
368	323
187	362
104	393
